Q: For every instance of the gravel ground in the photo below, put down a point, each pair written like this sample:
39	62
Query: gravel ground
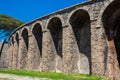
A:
16	77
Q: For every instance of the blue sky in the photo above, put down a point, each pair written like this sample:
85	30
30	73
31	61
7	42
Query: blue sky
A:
28	10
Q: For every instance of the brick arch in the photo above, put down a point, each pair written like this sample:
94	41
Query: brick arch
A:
56	38
80	23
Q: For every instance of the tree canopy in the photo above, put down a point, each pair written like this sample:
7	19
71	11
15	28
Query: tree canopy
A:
8	23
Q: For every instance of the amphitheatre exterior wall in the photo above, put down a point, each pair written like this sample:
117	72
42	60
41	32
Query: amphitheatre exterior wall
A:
72	40
3	54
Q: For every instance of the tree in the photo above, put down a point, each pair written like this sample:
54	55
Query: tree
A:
7	25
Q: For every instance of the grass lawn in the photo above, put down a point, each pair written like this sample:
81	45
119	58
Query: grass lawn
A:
54	76
4	79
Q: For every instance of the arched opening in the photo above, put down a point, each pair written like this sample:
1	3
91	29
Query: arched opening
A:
25	37
12	41
17	48
25	48
17	39
111	23
12	52
55	28
37	32
80	22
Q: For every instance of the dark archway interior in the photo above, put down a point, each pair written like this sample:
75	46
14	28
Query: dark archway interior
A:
25	48
55	27
37	32
12	40
25	37
117	38
111	23
17	40
12	45
80	22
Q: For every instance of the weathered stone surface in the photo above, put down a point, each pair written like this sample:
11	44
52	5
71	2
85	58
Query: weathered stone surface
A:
80	39
3	54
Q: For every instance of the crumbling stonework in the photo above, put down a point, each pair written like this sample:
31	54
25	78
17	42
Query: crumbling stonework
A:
80	39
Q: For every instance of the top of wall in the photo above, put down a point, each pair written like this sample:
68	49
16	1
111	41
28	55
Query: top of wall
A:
57	12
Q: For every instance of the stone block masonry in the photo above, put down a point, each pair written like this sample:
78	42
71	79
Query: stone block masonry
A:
83	38
3	54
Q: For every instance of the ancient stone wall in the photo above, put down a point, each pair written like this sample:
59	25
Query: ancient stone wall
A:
3	54
80	39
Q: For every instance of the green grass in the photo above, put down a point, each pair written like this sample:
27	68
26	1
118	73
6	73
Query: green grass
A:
4	79
55	76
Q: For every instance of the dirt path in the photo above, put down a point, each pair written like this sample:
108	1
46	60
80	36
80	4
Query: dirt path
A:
16	77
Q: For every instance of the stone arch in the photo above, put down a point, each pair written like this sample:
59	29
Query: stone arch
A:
37	33
55	16
17	38
25	37
55	29
12	52
86	9
99	20
80	23
17	48
111	24
24	45
39	23
12	40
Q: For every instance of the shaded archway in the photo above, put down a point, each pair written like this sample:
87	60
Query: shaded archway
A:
17	39
80	22
37	32
17	49
25	48
12	52
25	37
55	28
111	23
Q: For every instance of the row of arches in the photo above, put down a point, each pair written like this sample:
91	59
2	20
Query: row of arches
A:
75	57
80	24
